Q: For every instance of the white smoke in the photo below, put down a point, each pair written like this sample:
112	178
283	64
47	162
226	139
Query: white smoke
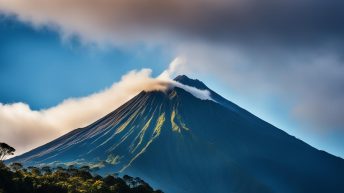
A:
176	67
24	128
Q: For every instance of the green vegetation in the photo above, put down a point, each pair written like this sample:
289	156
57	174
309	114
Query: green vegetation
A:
16	179
5	150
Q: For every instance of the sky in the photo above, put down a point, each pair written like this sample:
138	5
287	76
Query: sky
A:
281	60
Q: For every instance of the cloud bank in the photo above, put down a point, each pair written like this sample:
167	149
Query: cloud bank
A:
25	128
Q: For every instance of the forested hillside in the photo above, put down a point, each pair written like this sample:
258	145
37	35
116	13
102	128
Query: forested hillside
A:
16	179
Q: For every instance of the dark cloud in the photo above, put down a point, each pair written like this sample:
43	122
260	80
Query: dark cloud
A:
263	20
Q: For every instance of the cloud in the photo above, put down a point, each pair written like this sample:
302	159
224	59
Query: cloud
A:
311	81
132	20
25	128
174	69
292	49
201	94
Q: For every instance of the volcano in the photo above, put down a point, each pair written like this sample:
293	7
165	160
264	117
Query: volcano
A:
183	144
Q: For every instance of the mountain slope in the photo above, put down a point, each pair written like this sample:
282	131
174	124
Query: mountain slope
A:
184	144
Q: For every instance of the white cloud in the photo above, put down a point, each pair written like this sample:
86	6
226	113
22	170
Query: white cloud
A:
25	128
198	93
175	68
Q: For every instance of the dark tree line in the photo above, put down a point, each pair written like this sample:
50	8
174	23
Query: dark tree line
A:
17	179
14	179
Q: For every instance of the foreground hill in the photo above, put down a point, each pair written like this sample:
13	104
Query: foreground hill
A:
183	144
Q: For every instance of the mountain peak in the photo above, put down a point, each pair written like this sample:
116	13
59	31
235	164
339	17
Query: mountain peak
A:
180	77
168	138
190	82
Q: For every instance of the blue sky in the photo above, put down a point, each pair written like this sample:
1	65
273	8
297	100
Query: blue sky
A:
38	68
287	70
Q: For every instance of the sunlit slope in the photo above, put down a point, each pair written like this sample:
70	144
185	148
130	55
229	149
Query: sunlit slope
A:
184	144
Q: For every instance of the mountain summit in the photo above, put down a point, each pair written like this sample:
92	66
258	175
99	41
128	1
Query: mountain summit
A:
183	144
190	82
